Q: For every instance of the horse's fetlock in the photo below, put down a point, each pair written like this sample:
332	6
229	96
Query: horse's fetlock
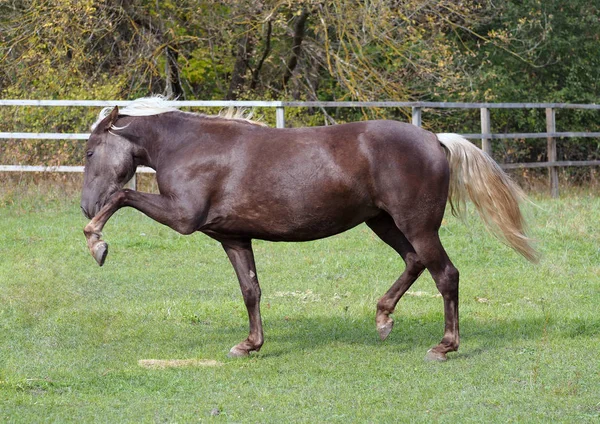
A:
450	344
256	342
385	307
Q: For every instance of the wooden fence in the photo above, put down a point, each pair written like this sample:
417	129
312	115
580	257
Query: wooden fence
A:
417	111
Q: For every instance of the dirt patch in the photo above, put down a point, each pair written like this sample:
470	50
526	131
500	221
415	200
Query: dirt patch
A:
178	363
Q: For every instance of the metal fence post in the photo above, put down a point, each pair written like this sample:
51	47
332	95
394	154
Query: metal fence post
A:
552	156
486	143
280	117
416	116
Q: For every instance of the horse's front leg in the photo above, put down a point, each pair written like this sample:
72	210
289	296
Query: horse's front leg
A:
242	258
93	230
156	206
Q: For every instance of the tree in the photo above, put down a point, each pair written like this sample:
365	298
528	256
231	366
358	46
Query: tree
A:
535	51
377	50
461	50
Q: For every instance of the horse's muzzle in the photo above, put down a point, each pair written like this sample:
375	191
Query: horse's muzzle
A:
92	202
90	210
85	212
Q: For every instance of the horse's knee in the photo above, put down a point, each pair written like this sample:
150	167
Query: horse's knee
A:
89	230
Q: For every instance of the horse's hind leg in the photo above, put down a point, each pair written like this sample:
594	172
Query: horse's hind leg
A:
419	244
384	226
434	257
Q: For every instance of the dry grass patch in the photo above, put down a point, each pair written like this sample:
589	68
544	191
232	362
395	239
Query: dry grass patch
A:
178	363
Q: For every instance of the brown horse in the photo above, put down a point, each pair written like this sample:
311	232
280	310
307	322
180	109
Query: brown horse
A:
236	180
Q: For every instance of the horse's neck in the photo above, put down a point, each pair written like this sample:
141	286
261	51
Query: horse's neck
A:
165	137
148	145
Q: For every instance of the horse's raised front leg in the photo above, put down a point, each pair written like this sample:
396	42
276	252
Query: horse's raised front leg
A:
158	207
242	258
93	230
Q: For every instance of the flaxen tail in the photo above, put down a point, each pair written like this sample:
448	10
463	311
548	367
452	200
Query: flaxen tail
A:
476	176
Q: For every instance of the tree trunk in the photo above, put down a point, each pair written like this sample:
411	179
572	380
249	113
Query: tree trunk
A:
173	81
238	76
296	47
267	51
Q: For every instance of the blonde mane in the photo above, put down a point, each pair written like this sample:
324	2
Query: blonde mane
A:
157	105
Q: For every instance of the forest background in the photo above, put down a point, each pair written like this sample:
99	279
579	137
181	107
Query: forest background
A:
404	50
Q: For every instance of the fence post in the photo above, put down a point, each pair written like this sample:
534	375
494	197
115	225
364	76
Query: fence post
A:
486	143
416	116
132	183
552	156
280	117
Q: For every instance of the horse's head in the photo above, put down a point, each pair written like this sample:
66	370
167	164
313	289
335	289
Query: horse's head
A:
109	164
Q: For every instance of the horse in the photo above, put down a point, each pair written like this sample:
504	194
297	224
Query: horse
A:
236	180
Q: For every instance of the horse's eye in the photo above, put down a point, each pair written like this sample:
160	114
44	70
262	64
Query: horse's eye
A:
89	153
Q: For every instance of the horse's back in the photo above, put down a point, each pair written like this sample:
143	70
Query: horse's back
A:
381	141
376	153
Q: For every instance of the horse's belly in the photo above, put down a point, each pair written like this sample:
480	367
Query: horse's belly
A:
296	223
308	195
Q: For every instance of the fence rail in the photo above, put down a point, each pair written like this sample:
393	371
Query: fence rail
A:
417	112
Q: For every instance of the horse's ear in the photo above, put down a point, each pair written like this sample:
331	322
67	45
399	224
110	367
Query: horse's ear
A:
112	118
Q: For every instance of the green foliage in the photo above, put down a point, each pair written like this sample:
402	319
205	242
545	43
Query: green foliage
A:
542	51
394	50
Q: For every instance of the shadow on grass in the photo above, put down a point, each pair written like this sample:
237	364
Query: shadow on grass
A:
414	332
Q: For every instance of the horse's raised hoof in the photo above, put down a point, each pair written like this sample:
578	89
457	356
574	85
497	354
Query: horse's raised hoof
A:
236	352
99	252
435	356
384	330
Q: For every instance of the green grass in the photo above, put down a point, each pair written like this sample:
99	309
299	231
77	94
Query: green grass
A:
71	333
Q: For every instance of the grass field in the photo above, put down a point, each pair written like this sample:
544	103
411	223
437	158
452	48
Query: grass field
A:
72	334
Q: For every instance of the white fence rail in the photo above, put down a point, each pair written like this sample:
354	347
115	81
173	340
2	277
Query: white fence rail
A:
417	111
279	114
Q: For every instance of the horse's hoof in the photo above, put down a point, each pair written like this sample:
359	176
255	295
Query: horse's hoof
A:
236	352
434	356
385	329
100	252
